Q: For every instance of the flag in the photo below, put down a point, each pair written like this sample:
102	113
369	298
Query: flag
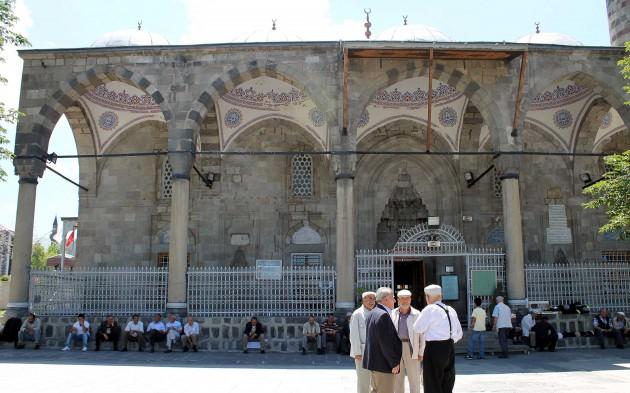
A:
55	235
70	238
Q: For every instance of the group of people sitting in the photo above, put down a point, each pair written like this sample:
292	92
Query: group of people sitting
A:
109	330
327	331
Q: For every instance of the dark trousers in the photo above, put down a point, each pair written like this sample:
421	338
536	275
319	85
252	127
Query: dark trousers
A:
546	342
618	334
113	337
503	340
601	337
438	367
156	337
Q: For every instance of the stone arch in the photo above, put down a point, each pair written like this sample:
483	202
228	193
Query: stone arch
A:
445	73
600	81
422	233
34	141
246	71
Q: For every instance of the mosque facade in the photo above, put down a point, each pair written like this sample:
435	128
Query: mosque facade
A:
194	198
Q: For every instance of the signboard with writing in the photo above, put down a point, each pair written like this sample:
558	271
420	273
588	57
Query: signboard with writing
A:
450	287
269	269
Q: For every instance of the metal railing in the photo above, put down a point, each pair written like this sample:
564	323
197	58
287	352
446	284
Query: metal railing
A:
241	291
98	291
375	268
596	284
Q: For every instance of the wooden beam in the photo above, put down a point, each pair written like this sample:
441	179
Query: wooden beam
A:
346	60
519	93
430	102
439	54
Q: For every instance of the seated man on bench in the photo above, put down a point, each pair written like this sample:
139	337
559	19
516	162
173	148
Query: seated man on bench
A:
108	331
134	332
311	333
331	332
254	331
31	330
546	335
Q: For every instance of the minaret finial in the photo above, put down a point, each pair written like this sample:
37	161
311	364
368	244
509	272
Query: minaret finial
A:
273	24
367	24
405	20
537	27
139	25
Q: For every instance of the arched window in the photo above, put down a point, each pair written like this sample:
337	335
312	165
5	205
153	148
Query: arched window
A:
166	189
302	176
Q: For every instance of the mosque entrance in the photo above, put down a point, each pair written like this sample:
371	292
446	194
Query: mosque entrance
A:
410	274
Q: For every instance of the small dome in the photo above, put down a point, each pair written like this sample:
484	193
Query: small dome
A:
549	38
268	35
129	38
413	33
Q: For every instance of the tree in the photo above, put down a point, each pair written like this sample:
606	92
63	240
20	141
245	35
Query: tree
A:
39	256
613	193
8	20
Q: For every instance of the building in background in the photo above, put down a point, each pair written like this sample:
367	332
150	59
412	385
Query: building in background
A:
6	249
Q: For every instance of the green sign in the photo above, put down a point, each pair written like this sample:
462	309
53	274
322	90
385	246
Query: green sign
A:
450	287
484	282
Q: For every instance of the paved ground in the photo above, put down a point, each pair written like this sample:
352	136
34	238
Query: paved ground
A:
55	371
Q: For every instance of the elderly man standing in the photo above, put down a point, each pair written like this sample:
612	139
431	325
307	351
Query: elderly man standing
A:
383	348
413	344
502	323
357	339
441	329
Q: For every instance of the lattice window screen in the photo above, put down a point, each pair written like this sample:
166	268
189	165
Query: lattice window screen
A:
302	176
167	180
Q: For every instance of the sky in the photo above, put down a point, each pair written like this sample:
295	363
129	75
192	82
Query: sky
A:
77	23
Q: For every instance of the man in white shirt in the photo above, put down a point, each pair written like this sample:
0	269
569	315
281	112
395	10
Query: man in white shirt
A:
311	332
174	331
526	325
441	329
502	323
156	331
478	327
191	334
79	331
413	344
134	331
357	340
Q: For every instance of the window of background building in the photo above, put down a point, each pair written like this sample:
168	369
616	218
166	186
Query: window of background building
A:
616	256
306	259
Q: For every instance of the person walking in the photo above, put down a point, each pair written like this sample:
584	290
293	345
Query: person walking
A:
383	348
502	323
478	330
441	329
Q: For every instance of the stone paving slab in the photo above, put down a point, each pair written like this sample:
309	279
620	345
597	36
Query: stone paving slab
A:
69	372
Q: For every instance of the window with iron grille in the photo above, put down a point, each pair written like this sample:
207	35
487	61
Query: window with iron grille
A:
306	259
162	259
166	190
616	256
302	176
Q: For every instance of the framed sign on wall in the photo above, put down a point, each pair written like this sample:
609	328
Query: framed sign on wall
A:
450	286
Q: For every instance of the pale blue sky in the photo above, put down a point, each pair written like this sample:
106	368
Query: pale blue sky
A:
77	23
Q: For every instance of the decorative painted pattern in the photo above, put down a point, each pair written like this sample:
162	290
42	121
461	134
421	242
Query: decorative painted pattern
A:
562	118
265	100
233	118
364	119
317	117
606	120
560	96
416	98
121	100
448	117
108	120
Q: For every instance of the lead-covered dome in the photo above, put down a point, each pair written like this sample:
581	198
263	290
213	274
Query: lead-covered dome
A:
407	32
268	35
129	37
550	39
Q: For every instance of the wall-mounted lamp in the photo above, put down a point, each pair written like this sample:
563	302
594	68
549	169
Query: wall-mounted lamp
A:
585	177
469	177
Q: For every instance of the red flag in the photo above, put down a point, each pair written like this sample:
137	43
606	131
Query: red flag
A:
70	238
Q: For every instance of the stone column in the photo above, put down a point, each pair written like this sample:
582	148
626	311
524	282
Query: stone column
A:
178	245
345	242
22	246
513	232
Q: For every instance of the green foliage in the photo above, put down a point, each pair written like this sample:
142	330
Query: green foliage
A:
8	19
38	256
4	278
613	193
53	249
624	64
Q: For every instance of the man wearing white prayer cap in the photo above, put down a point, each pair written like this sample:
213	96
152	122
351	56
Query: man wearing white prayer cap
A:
413	344
441	329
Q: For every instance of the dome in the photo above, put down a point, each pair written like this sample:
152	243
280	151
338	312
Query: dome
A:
129	38
268	35
413	33
549	38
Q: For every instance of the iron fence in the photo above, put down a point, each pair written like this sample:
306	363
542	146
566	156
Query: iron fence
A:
98	291
596	284
243	291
